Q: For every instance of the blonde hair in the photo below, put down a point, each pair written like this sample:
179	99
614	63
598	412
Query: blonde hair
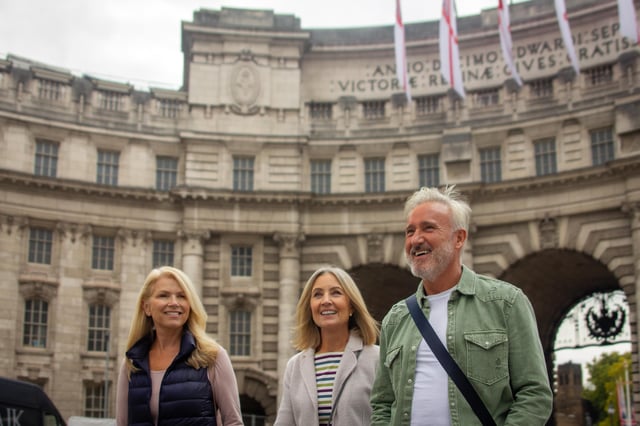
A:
449	195
307	333
206	349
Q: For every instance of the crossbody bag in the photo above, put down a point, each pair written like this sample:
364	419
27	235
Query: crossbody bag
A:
448	363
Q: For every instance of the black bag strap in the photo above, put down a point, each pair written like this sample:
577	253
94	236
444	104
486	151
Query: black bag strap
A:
448	363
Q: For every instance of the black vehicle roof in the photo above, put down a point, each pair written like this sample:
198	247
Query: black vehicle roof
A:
25	394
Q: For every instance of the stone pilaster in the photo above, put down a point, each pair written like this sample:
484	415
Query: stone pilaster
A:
193	255
289	282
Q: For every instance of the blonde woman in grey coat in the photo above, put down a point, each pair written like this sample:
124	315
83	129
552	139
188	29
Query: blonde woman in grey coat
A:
329	381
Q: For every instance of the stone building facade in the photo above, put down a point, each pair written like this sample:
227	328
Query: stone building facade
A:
288	148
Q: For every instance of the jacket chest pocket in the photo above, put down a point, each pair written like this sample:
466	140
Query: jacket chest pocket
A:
487	356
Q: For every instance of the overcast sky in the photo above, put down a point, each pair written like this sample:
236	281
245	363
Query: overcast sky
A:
139	41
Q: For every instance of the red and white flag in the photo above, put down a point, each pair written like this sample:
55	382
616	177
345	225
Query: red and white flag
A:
449	53
504	27
563	22
401	54
628	22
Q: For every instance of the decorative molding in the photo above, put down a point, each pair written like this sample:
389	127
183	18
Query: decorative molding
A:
289	243
548	229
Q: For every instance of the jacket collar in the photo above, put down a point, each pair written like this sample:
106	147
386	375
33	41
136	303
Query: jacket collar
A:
139	352
466	285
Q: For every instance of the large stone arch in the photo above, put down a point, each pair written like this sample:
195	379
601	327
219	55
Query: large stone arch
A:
383	285
261	387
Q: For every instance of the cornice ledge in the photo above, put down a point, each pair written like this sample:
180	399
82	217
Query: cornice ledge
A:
85	188
614	170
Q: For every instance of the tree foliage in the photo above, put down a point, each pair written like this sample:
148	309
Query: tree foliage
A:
604	371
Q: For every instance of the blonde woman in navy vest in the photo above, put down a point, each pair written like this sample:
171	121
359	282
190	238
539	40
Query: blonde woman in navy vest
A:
329	381
174	373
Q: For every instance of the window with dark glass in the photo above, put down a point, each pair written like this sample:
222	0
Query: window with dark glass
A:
240	333
374	174
166	172
241	261
429	170
373	110
490	165
99	326
321	110
102	253
486	97
49	89
107	167
46	159
599	75
243	173
321	176
94	400
40	244
163	253
545	155
428	105
169	108
602	149
36	320
542	88
109	100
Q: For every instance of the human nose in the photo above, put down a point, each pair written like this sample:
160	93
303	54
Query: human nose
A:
173	300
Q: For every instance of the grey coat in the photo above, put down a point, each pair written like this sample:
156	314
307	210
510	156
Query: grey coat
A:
354	378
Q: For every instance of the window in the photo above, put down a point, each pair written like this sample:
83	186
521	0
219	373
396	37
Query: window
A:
241	261
49	89
169	108
240	333
545	153
108	167
373	110
46	161
321	110
488	97
490	165
542	88
94	401
40	242
243	173
321	176
99	326
102	253
601	145
166	172
429	169
162	253
374	175
34	330
111	101
599	75
428	105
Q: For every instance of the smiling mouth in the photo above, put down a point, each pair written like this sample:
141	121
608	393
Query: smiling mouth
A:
323	313
418	253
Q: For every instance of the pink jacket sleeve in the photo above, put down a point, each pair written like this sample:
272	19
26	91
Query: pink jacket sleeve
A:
225	390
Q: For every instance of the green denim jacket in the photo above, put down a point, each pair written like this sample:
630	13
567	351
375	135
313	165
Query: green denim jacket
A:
492	335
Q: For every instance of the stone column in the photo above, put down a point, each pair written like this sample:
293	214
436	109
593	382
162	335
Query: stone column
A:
193	256
288	296
633	209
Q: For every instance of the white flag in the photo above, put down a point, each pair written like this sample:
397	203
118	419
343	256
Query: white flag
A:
504	27
449	53
401	54
563	22
628	23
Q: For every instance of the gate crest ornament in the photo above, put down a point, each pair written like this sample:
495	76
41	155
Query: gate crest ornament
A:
606	324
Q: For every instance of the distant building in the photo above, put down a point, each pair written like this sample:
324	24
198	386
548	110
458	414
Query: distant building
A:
288	148
570	408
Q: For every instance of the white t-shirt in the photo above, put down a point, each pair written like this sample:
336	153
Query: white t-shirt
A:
430	404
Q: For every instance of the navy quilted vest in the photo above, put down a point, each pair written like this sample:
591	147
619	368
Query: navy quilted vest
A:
186	397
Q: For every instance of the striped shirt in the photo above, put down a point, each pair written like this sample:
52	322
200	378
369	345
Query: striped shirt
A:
326	367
